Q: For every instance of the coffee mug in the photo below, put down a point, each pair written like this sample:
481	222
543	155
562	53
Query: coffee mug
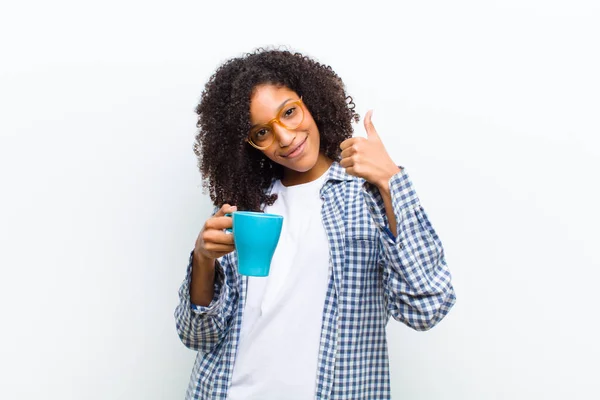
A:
255	235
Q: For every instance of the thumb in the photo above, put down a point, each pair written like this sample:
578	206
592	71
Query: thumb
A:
369	127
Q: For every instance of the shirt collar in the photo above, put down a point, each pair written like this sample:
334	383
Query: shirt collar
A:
337	173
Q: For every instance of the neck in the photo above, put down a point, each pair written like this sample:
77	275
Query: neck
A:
291	177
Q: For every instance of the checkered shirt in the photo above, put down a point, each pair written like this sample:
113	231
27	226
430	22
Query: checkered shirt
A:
372	276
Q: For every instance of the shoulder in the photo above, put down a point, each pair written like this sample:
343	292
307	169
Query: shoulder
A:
344	187
338	174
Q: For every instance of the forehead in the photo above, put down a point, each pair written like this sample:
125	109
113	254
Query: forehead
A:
266	100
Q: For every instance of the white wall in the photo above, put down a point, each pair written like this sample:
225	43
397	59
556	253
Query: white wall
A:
492	107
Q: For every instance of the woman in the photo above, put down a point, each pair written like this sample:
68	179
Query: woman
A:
275	135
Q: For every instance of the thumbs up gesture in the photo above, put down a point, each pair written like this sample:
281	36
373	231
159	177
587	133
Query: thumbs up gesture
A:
367	158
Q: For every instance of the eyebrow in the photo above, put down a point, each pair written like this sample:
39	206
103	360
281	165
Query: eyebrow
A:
278	109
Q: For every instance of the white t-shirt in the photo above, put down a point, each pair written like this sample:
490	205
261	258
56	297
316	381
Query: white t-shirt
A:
281	325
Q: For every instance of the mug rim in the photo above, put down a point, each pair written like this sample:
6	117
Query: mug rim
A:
259	214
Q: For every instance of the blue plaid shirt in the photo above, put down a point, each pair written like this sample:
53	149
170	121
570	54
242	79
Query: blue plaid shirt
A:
372	276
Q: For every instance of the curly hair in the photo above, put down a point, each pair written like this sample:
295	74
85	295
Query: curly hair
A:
233	171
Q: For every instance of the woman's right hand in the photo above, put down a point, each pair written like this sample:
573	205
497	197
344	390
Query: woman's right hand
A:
213	242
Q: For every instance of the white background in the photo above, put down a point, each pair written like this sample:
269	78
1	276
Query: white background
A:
493	108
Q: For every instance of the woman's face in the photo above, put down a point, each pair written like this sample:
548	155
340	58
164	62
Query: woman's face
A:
297	150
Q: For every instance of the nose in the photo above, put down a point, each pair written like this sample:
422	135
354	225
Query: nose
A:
284	136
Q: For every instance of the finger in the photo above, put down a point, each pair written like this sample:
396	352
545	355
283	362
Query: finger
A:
219	223
216	247
217	237
351	171
350	151
355	170
219	254
369	127
349	142
226	208
346	162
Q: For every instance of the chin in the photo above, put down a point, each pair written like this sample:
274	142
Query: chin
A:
305	164
302	167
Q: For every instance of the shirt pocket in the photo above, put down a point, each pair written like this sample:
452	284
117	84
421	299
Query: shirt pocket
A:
361	267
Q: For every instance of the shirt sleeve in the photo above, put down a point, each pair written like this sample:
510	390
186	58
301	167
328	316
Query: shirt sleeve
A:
201	328
416	278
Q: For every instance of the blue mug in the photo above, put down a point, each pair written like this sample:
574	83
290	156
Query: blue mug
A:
255	235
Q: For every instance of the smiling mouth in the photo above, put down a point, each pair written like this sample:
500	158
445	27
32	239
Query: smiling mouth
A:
295	148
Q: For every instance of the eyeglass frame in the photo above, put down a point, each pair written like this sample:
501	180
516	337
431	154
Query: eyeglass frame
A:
276	119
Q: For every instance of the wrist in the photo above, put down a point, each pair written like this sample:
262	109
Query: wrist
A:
384	183
202	261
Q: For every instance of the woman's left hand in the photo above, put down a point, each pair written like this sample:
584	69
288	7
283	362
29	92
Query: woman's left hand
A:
367	158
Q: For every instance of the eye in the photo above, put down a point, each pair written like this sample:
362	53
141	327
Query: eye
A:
289	112
262	134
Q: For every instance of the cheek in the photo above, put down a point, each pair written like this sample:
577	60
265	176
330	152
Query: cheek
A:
270	154
315	136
